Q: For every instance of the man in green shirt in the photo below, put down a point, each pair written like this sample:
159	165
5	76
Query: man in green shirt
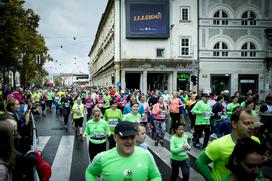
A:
125	161
232	105
203	112
219	150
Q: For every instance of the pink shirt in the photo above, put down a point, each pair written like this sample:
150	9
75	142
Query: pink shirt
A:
175	103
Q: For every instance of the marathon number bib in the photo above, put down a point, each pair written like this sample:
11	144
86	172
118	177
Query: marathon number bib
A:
162	114
207	115
113	122
98	135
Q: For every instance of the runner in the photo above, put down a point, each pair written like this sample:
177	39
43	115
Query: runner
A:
140	137
113	116
179	156
97	131
134	115
126	161
203	113
160	112
174	105
219	150
78	116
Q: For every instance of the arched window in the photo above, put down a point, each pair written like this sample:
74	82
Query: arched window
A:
248	18
248	50
220	18
220	49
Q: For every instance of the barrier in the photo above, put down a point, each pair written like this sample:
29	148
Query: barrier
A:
34	145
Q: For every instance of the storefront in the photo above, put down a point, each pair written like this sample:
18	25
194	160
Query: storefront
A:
248	82
220	82
183	81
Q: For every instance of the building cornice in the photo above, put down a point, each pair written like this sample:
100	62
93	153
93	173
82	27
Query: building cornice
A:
101	24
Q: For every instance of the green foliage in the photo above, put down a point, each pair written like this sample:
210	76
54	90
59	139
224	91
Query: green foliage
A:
57	81
19	39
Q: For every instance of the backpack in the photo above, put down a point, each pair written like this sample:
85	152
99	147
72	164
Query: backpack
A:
43	168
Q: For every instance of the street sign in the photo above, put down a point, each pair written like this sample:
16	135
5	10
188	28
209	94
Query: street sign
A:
118	84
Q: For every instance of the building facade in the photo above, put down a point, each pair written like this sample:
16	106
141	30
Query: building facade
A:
146	45
232	45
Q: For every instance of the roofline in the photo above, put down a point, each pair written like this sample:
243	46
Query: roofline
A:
101	23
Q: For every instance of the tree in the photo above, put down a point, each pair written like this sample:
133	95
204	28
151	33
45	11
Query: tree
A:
20	40
57	81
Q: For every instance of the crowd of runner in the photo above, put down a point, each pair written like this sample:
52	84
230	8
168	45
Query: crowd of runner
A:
123	118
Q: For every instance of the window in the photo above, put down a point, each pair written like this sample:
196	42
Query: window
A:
184	14
160	52
184	46
248	50
248	18
220	18
220	49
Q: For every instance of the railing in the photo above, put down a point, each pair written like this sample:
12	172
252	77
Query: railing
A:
34	145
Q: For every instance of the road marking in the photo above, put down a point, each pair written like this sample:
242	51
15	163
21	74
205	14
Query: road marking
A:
165	155
61	167
42	142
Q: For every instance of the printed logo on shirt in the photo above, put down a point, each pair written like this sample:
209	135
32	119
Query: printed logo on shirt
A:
127	173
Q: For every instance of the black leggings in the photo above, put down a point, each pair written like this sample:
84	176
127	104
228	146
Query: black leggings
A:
94	149
175	120
185	169
112	142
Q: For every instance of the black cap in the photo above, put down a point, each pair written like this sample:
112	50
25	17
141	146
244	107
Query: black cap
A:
126	128
205	95
113	102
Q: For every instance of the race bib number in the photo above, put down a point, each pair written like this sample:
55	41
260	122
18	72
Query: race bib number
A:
162	114
98	135
113	122
207	115
66	104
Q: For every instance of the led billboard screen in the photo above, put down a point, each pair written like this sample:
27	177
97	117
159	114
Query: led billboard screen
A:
147	19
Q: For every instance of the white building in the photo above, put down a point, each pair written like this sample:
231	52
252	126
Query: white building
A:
75	79
232	46
146	44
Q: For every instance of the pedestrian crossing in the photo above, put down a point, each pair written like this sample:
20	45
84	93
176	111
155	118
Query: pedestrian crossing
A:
71	155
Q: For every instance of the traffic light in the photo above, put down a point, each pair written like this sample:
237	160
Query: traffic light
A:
113	79
2	11
194	79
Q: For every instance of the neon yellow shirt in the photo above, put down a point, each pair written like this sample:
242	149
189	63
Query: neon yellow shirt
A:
219	152
77	115
113	167
113	117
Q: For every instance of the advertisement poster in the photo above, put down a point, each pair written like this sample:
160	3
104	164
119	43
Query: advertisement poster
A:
148	19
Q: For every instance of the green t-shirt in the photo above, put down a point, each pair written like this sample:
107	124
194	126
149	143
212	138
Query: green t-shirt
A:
176	147
95	130
77	115
113	117
113	167
219	152
107	99
132	117
50	96
243	104
199	108
230	108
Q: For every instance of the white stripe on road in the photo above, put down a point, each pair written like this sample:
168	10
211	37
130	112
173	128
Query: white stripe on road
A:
165	155
61	167
42	142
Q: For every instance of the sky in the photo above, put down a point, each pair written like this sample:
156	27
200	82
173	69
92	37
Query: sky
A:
69	28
